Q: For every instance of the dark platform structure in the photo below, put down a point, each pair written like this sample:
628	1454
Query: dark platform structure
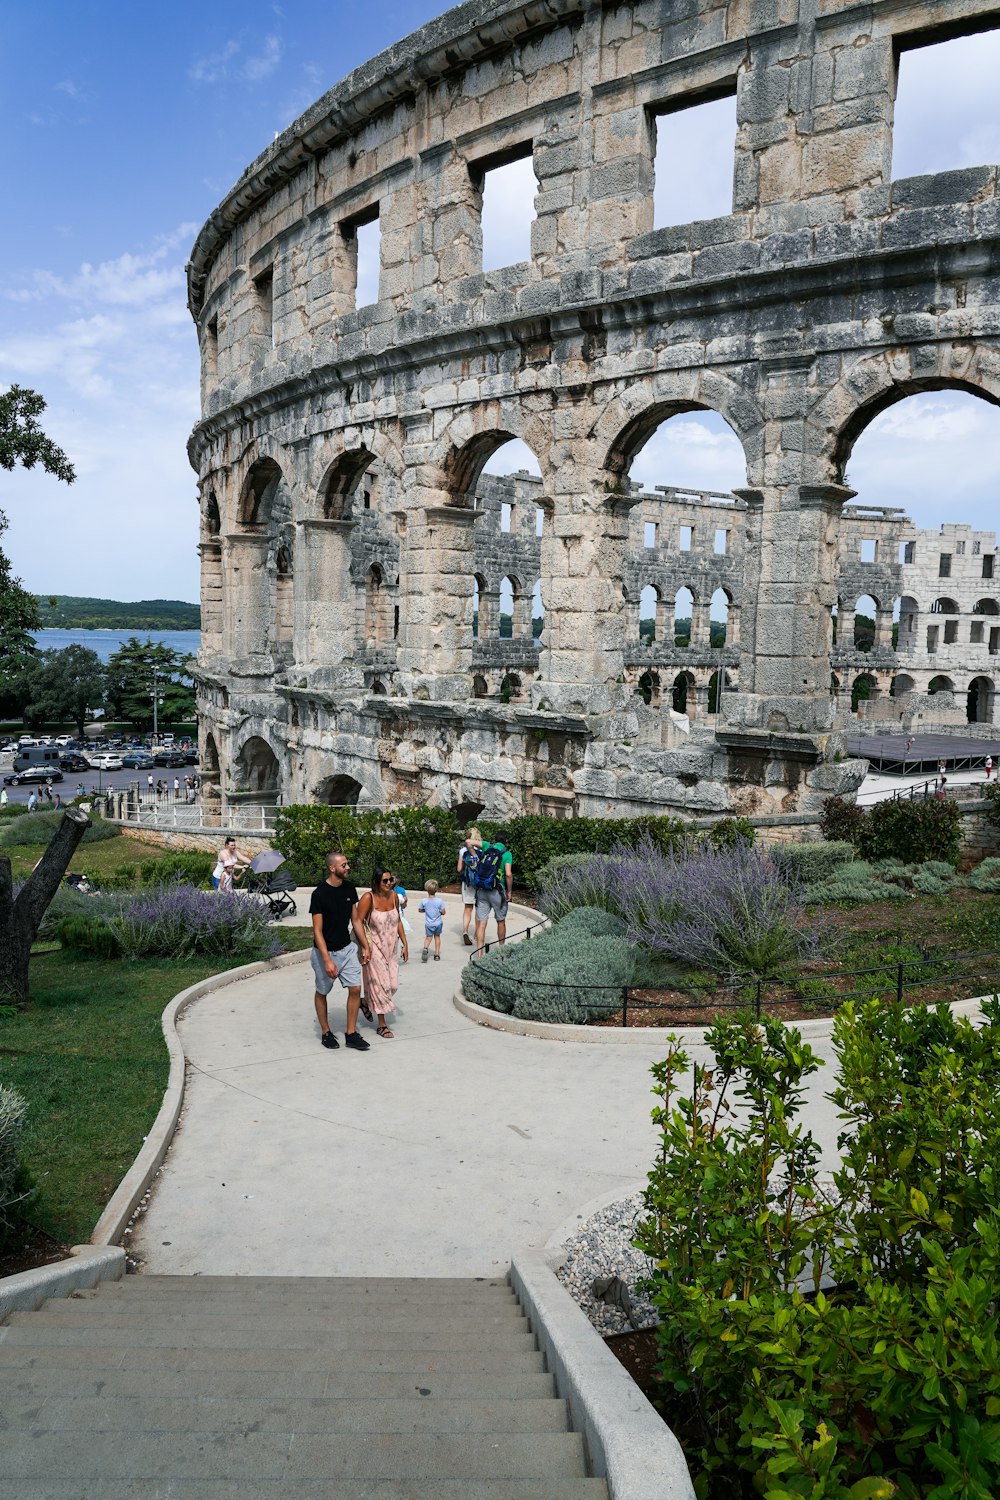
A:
888	752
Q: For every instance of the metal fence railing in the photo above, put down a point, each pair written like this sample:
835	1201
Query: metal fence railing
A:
811	993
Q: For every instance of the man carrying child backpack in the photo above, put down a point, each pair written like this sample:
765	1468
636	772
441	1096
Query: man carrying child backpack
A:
493	879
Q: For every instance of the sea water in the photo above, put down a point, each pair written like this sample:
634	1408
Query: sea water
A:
107	642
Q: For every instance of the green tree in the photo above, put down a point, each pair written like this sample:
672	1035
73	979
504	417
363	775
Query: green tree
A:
65	685
131	673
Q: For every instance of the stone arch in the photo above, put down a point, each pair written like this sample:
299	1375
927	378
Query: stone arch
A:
480	687
213	518
378	687
338	791
628	421
944	606
509	592
685	600
341	481
650	614
257	767
940	684
979	700
901	684
471	439
466	813
863	638
720	616
682	694
210	756
480	590
648	688
986	607
864	688
258	491
510	688
874	383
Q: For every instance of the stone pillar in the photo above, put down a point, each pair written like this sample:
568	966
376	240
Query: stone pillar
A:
449	235
212	607
324	593
701	625
434	649
249	626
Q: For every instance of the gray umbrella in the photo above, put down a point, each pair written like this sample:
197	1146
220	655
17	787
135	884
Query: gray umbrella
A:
263	864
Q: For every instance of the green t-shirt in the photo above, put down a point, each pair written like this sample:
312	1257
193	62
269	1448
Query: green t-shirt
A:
506	860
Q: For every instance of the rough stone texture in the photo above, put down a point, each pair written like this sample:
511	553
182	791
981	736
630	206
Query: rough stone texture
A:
341	449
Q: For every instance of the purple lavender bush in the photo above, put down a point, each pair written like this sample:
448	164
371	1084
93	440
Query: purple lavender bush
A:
732	911
181	922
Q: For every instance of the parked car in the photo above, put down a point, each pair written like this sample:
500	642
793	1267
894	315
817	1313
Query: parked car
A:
105	761
191	757
137	760
169	758
73	762
38	776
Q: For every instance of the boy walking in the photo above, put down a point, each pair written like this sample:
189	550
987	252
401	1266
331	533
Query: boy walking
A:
434	910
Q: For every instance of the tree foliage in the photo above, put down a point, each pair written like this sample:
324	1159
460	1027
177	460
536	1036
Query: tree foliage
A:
64	685
131	673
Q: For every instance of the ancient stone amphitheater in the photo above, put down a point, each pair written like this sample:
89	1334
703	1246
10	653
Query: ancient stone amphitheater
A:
367	590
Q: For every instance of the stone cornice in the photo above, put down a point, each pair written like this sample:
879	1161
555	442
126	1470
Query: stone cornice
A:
848	276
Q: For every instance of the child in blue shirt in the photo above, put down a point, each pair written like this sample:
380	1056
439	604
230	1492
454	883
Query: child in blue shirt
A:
433	909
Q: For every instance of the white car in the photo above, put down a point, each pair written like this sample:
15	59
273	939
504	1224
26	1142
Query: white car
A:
105	762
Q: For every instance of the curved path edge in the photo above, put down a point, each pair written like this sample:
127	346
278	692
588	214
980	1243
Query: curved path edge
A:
103	1259
566	1031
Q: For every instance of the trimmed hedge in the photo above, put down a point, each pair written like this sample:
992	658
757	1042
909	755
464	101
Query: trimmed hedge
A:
573	972
812	863
912	832
534	841
182	868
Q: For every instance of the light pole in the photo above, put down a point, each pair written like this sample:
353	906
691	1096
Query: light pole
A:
155	694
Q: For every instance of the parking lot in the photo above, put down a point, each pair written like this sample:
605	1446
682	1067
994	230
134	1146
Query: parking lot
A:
94	782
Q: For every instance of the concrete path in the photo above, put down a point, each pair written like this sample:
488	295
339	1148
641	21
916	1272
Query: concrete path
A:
439	1153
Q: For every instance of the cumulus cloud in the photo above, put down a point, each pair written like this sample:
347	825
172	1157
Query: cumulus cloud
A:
215	66
696	450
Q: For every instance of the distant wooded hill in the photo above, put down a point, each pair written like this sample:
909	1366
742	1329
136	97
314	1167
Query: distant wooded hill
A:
65	611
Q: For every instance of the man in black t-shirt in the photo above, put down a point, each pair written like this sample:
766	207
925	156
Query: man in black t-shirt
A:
334	912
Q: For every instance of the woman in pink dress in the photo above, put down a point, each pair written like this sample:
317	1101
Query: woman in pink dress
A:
379	911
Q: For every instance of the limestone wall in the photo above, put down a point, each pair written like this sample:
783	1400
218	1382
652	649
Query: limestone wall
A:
827	293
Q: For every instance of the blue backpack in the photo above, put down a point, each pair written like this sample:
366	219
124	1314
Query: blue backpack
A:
486	875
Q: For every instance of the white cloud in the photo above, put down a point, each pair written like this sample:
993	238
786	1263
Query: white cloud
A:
265	62
232	62
696	450
215	66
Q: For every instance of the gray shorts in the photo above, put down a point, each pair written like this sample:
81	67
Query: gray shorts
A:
348	969
491	901
468	895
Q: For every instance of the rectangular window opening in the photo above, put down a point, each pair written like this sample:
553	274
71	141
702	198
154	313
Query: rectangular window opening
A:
649	530
263	286
694	160
994	640
907	552
539	521
721	541
944	565
364	233
869	549
976	633
977	547
686	538
950	632
395	621
504	516
959	549
212	346
959	74
932	637
509	187
988	565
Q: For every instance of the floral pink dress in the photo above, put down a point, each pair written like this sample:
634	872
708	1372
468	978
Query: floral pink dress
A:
382	973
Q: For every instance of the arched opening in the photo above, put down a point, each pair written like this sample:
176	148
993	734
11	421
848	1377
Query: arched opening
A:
683	614
865	615
986	607
537	611
339	791
213	520
480	687
284	598
906	637
649	615
648	688
342	483
378	687
257	768
260	489
682	446
718	618
682	693
864	688
979	701
944	606
510	688
919	441
378	609
496	454
466	813
834	619
901	685
210	757
940	685
510	591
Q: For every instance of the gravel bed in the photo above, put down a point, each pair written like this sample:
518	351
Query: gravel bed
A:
602	1248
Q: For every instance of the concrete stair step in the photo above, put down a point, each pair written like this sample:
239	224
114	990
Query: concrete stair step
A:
341	1363
66	1314
314	1489
188	1334
132	1291
138	1415
165	1382
352	1285
95	1461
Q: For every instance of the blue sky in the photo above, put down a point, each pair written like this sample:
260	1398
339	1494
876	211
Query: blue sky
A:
125	124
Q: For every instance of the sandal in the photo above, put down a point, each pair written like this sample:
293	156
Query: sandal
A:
384	1031
366	1011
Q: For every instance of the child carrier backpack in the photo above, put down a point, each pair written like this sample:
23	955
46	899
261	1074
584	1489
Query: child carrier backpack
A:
486	875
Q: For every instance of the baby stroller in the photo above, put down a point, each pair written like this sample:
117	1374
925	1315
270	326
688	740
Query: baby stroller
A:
266	878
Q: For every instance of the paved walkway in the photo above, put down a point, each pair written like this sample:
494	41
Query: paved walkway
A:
439	1153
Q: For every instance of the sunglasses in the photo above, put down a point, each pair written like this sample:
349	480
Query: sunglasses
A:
387	880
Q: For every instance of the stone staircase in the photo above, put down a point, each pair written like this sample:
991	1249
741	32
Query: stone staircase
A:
234	1388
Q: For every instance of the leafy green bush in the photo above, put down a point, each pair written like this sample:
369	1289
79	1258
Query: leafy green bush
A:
592	921
986	876
418	843
725	833
89	934
912	832
535	840
13	810
36	831
812	863
886	1382
181	868
68	902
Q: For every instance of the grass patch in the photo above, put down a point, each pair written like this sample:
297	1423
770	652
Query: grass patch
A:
92	859
89	1057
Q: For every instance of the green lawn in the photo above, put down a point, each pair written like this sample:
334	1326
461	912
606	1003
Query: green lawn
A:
94	859
89	1057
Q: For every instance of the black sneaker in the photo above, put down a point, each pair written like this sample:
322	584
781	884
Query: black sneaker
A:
329	1040
356	1040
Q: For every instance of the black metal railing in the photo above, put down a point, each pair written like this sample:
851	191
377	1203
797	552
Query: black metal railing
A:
522	932
812	993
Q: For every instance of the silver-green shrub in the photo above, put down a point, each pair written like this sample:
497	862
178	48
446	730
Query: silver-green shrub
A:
13	1111
812	863
986	876
856	882
593	921
580	981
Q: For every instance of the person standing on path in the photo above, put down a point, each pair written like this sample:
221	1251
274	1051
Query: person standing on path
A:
989	766
225	866
434	911
494	882
383	926
334	912
468	858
